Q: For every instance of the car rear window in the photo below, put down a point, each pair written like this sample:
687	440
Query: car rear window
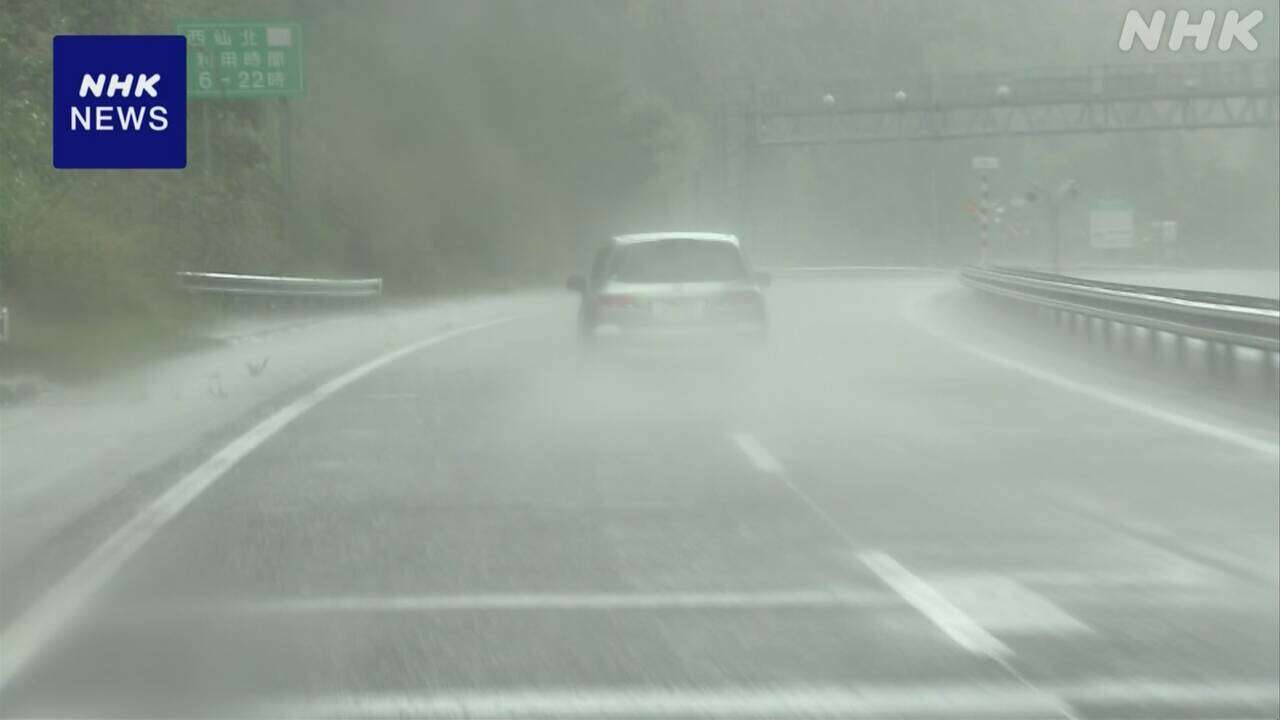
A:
677	260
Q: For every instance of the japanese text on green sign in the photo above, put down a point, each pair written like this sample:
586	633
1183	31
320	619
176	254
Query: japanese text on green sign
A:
243	59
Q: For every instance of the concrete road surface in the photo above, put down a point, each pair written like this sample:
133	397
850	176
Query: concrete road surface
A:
887	512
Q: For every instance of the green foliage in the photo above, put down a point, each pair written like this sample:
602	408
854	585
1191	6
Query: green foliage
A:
467	145
444	147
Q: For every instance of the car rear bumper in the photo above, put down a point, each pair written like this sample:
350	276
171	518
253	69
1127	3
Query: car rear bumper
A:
729	336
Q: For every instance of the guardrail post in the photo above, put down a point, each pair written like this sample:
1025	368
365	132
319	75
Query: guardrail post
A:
1221	358
1221	324
1228	360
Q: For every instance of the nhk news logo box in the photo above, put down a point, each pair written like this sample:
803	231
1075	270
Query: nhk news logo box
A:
119	101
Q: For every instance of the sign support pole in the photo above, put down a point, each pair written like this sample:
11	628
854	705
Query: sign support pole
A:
984	165
936	246
986	208
1055	258
204	133
286	173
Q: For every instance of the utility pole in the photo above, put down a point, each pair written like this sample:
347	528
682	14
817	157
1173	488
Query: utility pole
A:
933	213
983	165
983	243
749	151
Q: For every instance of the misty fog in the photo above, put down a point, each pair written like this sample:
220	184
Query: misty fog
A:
639	358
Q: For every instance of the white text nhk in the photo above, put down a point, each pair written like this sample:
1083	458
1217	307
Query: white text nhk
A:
1234	29
112	117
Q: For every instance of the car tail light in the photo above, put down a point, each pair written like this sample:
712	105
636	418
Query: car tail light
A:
618	301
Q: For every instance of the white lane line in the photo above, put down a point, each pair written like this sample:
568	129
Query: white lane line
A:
765	462
939	701
1168	417
758	454
1003	605
1188	694
944	700
940	611
928	601
41	622
785	599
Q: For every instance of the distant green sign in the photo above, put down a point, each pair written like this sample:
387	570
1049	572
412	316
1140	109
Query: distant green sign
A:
249	59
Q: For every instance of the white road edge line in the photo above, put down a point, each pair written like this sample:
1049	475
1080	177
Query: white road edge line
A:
958	626
941	700
834	597
922	596
23	639
923	701
1266	447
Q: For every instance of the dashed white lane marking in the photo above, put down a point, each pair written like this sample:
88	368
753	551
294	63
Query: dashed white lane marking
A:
782	600
977	700
765	462
1269	447
916	592
758	454
40	623
940	611
1003	605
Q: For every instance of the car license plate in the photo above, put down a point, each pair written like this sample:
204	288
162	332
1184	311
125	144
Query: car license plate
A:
685	311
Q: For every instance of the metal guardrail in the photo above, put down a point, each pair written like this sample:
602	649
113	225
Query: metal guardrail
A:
271	286
1052	101
1235	320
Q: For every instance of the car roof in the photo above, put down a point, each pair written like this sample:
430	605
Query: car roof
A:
634	238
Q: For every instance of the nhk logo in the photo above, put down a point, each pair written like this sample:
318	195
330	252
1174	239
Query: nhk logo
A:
99	117
119	101
1234	28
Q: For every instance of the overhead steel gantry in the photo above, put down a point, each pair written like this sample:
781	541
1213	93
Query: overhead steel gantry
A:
1125	98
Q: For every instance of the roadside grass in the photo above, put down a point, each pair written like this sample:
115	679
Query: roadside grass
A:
48	348
65	350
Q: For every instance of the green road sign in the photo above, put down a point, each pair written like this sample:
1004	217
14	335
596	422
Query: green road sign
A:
249	59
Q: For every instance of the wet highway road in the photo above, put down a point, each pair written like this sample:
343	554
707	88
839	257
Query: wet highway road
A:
866	519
